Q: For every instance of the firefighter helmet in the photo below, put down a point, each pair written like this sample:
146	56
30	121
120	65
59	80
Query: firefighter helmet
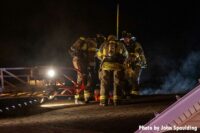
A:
126	34
111	38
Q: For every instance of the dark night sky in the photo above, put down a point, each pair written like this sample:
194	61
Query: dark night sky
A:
40	32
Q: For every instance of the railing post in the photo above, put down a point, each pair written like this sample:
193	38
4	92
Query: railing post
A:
2	81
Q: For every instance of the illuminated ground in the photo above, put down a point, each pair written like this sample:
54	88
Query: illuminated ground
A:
85	118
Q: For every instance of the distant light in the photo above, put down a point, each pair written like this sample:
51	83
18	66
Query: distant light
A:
42	100
51	73
7	108
35	100
20	105
25	103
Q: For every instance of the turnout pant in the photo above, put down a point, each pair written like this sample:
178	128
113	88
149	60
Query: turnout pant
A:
83	76
109	78
132	76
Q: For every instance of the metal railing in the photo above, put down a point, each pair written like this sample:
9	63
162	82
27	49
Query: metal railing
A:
11	77
27	78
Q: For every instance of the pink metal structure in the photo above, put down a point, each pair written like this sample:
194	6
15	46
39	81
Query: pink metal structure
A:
179	113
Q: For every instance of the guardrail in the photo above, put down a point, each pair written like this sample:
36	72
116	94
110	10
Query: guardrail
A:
14	79
7	75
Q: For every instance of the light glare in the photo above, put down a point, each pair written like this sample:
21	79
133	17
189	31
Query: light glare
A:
51	73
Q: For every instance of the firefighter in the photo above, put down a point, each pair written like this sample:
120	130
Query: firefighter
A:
83	52
112	54
100	39
134	63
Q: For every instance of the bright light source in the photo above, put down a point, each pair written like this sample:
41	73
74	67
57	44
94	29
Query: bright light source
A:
55	105
51	73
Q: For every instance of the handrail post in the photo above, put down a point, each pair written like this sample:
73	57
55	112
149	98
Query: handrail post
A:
2	81
117	25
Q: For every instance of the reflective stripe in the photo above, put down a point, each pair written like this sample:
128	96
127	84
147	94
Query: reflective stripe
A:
99	54
115	97
92	49
104	52
135	92
111	66
76	96
134	54
103	97
86	94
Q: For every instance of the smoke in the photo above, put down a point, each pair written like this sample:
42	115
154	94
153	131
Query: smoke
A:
181	80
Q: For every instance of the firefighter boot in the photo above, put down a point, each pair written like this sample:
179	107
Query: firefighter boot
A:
78	100
103	101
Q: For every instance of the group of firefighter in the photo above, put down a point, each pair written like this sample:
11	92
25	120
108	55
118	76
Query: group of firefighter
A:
117	69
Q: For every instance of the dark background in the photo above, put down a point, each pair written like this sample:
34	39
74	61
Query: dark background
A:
39	32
